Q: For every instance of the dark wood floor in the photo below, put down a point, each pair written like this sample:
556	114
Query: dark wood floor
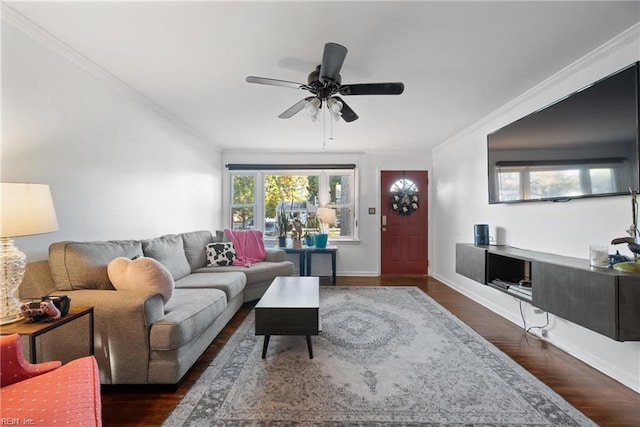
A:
605	401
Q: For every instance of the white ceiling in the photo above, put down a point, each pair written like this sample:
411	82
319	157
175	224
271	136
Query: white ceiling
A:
459	61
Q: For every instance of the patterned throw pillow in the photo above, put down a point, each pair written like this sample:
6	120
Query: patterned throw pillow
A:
220	254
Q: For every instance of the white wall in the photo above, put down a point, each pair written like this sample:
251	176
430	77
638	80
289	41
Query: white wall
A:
117	167
460	200
360	258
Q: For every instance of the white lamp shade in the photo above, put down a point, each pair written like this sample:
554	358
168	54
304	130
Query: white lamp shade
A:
26	209
327	215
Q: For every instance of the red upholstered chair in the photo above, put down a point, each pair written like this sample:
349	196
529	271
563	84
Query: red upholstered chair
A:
48	393
15	367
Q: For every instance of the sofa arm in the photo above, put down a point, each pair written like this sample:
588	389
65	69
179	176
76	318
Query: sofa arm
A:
275	255
122	321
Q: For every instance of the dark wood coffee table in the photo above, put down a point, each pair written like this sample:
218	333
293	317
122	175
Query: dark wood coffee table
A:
289	307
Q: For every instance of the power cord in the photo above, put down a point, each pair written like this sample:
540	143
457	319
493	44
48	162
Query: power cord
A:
540	327
524	322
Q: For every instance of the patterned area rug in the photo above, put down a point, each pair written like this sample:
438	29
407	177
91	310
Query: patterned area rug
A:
385	356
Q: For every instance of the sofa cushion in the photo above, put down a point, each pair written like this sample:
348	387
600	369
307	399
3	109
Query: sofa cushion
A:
169	250
194	247
83	265
232	283
220	254
142	273
275	254
258	272
187	315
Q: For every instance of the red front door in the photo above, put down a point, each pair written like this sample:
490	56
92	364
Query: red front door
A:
403	222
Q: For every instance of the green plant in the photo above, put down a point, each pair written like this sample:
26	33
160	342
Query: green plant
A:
283	223
312	224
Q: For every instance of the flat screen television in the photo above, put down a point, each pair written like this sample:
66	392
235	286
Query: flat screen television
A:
583	145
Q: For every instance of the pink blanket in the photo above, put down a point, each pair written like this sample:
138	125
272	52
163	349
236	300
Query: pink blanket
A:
249	246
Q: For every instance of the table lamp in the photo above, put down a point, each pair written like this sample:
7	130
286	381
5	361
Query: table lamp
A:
327	217
25	210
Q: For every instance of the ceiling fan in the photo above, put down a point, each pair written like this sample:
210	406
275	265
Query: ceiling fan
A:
325	83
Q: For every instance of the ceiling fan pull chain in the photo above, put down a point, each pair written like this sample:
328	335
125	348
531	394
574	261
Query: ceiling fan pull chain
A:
324	126
331	128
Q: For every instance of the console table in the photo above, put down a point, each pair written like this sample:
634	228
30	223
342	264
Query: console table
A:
306	252
603	300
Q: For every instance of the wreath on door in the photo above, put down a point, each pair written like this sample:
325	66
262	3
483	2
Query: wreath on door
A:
404	202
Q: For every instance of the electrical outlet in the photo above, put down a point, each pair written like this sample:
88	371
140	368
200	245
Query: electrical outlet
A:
544	333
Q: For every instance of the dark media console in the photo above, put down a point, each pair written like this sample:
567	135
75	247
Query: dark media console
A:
603	300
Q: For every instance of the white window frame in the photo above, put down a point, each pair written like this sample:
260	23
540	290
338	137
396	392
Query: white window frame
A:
323	195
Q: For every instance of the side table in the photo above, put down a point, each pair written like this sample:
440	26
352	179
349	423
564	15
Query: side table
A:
305	254
31	329
302	257
330	250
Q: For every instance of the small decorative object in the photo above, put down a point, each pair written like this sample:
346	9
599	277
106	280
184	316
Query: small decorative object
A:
308	240
633	241
617	257
296	231
404	202
599	255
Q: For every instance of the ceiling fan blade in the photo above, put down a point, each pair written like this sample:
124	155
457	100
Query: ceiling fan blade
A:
295	108
275	82
348	115
332	60
390	88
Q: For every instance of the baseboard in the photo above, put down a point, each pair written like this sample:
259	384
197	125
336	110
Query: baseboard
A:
580	353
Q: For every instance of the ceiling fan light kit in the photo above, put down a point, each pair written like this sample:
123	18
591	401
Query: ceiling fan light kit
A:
325	83
313	106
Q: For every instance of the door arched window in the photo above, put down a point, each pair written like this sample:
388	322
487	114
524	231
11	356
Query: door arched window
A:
404	197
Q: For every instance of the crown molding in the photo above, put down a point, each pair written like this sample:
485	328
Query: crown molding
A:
625	39
10	16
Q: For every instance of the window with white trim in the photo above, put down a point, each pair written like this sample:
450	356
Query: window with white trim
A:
259	196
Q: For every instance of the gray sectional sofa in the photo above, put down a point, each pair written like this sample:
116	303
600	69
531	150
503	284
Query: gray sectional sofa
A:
139	338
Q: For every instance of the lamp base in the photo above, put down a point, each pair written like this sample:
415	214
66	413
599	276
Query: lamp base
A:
12	267
10	318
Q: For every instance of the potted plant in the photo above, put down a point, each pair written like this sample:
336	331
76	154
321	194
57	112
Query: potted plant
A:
307	238
283	228
311	230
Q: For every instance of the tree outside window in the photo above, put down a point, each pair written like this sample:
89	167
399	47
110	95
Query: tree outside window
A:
257	198
243	202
